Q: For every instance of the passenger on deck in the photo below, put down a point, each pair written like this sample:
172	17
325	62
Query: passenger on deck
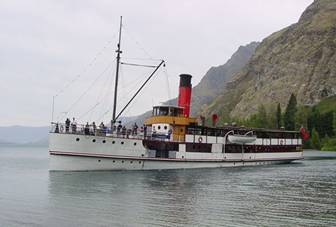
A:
102	127
123	130
57	128
128	132
135	129
73	125
145	131
119	128
67	125
94	128
169	133
87	129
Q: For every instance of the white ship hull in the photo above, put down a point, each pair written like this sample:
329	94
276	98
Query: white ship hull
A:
85	153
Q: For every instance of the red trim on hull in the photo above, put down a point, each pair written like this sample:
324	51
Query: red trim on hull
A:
165	159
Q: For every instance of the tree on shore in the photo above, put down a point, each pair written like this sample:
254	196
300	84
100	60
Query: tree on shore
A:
315	139
278	116
262	117
289	118
334	123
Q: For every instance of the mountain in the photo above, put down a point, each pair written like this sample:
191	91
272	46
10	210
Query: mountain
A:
214	80
299	59
23	135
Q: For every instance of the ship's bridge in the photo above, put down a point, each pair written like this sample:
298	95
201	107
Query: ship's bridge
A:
167	120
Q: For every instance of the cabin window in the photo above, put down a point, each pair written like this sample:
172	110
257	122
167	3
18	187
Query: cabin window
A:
77	139
163	111
165	127
93	140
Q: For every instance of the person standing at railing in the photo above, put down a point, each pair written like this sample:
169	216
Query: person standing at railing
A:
73	125
94	128
145	131
119	128
123	130
67	125
135	129
87	129
57	128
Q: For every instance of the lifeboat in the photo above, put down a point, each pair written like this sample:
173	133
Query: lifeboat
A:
241	139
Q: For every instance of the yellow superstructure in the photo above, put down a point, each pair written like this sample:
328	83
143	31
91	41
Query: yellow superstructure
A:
169	120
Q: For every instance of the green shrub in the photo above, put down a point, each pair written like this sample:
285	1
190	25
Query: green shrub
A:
328	144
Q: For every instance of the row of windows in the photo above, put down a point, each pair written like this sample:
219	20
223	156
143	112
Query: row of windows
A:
104	141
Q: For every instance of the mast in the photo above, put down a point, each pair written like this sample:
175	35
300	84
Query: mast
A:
118	51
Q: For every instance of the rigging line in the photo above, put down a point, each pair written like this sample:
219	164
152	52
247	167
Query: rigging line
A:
168	87
86	67
92	108
137	92
104	98
86	91
101	97
135	81
133	64
142	59
136	42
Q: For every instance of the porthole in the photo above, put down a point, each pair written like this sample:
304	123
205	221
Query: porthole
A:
104	141
159	127
131	162
182	156
122	142
142	155
77	139
113	142
122	161
165	127
93	140
113	161
139	162
98	160
135	144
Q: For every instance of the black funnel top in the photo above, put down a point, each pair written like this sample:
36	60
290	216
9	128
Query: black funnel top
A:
185	80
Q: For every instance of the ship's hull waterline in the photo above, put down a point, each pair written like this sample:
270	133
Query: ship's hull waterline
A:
79	153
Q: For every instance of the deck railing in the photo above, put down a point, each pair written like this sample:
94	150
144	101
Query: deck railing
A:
129	133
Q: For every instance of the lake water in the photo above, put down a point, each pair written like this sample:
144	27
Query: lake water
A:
298	194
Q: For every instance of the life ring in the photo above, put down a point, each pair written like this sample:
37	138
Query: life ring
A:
200	139
281	142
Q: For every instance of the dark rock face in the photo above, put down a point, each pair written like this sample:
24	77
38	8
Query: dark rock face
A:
300	59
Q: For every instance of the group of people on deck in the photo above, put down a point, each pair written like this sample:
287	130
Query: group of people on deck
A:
93	129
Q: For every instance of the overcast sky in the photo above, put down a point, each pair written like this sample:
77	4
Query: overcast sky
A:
44	45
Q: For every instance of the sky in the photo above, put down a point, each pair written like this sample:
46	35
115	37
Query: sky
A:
57	58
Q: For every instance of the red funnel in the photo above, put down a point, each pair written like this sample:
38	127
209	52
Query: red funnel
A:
185	93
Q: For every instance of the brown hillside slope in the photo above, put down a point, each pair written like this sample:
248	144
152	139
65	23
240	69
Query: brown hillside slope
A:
299	59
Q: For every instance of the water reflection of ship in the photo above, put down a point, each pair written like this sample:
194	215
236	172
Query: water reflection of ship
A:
159	196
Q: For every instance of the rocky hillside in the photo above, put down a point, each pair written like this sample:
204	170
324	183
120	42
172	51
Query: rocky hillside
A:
299	59
214	81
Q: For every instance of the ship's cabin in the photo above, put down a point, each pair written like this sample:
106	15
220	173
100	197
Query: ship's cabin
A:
174	111
168	122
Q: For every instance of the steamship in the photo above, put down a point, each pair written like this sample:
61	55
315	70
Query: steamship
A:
170	139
